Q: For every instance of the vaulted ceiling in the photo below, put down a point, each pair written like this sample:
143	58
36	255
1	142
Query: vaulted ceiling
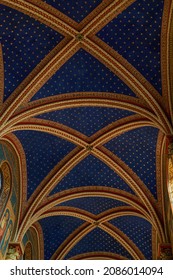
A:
85	100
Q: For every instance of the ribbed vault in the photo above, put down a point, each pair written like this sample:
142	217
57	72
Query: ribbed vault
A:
42	119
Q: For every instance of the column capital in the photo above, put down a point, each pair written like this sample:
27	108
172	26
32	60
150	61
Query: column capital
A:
165	252
14	252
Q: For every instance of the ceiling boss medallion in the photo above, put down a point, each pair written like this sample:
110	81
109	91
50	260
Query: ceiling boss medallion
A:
79	37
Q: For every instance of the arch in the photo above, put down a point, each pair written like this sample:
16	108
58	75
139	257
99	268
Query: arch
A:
100	255
28	255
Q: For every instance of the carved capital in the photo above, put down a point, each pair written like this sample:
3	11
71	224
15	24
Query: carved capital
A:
165	252
14	252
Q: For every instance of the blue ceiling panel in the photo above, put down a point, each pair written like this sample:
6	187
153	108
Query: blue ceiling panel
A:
83	72
75	9
137	148
91	172
55	230
25	42
94	205
138	230
86	120
135	34
43	151
98	240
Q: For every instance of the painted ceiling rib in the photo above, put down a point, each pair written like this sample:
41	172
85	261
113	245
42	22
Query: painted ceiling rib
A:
89	217
130	68
49	57
166	44
159	161
71	136
71	240
89	192
98	255
1	77
38	13
118	131
124	241
111	230
25	93
73	212
78	42
53	181
134	185
107	100
44	74
48	210
74	161
40	239
105	16
44	127
163	180
128	78
106	55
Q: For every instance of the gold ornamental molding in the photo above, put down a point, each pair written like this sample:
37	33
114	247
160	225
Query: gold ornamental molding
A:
123	173
45	127
37	229
104	135
43	13
31	6
72	240
100	255
92	218
105	16
159	169
150	105
65	101
122	238
34	73
166	54
103	56
86	216
53	180
40	79
67	211
130	68
129	78
82	192
65	25
118	131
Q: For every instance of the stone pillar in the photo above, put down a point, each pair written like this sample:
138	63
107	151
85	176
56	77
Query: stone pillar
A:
165	252
14	252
